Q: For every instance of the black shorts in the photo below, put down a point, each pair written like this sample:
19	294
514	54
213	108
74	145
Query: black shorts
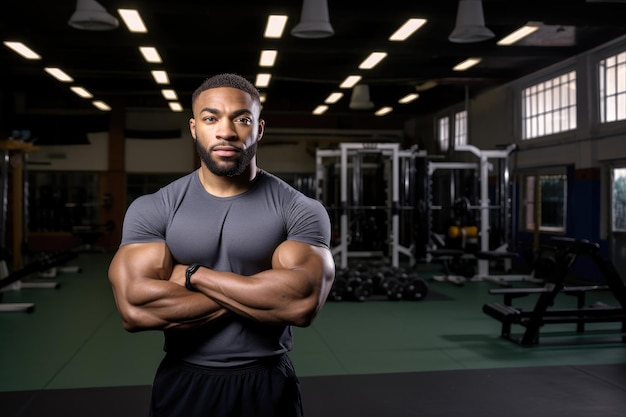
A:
266	389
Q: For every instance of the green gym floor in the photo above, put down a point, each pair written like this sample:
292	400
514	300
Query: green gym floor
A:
441	356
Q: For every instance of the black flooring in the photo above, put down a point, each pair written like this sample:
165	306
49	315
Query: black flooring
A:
549	391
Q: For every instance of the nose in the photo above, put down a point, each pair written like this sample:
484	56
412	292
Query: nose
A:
226	130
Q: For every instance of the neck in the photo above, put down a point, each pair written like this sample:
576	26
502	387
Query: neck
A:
221	186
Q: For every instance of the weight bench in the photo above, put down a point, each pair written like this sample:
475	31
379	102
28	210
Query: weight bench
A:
13	281
505	257
446	257
543	311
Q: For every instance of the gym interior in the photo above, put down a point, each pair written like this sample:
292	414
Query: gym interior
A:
480	259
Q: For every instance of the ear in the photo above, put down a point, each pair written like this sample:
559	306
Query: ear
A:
192	127
260	130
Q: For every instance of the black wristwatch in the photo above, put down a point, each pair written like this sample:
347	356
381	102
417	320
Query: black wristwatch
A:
190	270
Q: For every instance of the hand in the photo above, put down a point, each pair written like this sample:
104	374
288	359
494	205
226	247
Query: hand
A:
178	274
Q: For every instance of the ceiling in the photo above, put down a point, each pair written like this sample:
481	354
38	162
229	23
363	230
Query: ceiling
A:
200	38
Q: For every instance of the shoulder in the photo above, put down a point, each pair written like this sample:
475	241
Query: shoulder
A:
167	194
147	216
272	184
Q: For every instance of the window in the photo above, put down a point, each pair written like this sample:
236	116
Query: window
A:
545	199
443	133
549	107
619	199
59	201
460	128
612	82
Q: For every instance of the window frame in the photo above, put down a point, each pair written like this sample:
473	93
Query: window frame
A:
529	202
540	83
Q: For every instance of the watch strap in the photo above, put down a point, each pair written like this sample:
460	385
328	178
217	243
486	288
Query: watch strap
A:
188	273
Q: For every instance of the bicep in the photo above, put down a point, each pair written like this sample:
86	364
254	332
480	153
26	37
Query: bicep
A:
137	262
313	262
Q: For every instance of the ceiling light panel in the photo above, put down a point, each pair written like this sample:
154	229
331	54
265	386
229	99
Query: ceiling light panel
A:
383	111
350	81
150	54
175	106
333	98
268	58
160	77
262	80
372	60
467	64
275	26
321	109
408	98
81	92
133	21
22	49
169	94
101	105
519	34
407	29
59	74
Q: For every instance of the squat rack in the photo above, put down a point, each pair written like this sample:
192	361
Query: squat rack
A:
388	150
485	156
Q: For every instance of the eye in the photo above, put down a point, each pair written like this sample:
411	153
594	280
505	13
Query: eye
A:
208	118
244	120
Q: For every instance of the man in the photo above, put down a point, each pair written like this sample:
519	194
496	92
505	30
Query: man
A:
224	260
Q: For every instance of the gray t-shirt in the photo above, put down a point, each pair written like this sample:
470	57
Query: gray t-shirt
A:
237	234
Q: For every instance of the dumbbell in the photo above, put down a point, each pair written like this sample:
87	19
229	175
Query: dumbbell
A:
415	289
394	288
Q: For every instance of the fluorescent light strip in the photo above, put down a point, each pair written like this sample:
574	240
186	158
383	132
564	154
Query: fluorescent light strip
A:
169	94
407	29
467	64
160	77
101	105
333	98
268	58
133	20
350	81
408	98
59	74
275	26
175	106
321	109
81	92
22	49
383	111
372	60
262	97
150	54
519	34
262	80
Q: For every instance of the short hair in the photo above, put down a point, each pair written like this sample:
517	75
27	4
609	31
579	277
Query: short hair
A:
227	80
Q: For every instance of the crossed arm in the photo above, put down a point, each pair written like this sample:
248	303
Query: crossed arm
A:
150	294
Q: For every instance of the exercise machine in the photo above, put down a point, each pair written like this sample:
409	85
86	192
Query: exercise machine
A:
353	212
544	312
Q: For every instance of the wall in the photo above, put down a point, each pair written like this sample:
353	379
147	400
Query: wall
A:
586	152
92	157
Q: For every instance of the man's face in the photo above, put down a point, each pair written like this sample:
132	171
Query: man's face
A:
226	129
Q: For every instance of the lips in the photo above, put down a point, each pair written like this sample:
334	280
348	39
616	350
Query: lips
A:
225	151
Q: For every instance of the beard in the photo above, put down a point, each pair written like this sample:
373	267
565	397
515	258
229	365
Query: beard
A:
230	168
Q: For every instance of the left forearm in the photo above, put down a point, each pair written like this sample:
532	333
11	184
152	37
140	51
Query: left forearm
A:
273	296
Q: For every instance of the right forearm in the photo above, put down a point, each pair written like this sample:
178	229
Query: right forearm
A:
147	299
160	305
